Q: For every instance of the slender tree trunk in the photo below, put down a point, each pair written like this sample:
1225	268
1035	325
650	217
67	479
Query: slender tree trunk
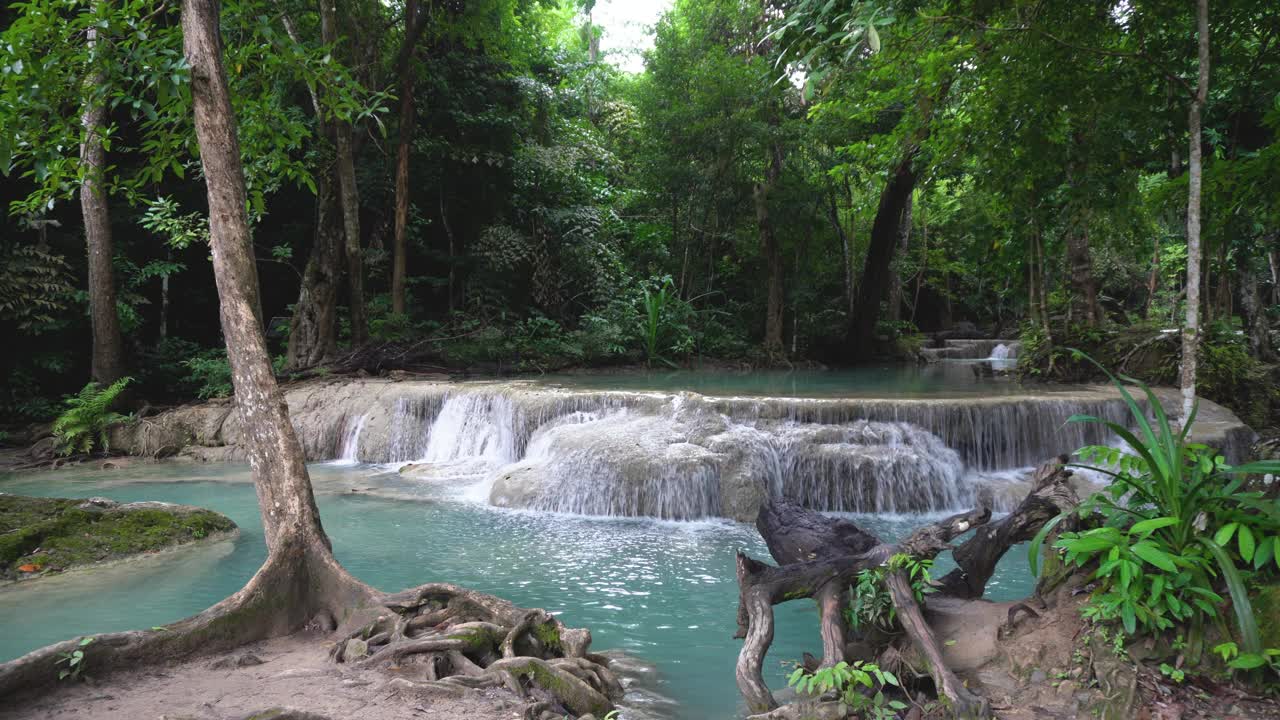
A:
108	345
164	302
1153	279
1191	330
895	277
313	329
1273	263
1034	309
453	261
275	455
772	254
833	214
407	115
349	196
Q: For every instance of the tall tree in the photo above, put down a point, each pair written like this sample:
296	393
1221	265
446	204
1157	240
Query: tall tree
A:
1191	329
348	195
108	363
413	26
772	253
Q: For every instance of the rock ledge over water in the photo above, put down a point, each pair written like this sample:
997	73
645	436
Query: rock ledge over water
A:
44	535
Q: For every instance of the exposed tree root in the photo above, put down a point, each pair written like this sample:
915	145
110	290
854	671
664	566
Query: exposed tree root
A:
438	637
440	633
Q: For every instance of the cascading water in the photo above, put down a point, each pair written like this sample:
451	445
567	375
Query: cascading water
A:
349	453
1003	357
683	455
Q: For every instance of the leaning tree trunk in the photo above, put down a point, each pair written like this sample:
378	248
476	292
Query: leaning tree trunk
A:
880	251
464	639
1191	329
349	196
108	346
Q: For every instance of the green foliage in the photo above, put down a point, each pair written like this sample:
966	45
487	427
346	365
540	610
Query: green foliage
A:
1169	517
870	604
1236	660
86	418
210	373
848	680
74	661
656	322
35	286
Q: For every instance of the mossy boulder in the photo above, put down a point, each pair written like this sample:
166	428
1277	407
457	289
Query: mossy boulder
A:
40	535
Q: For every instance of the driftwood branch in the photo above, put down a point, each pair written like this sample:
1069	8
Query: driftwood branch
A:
976	558
820	569
820	557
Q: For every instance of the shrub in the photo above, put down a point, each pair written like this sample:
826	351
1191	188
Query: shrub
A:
87	417
847	680
209	373
1174	519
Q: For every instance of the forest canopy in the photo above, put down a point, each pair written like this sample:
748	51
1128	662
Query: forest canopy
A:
473	185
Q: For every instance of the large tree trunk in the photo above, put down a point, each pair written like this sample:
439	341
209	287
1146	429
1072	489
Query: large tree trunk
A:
349	196
880	251
1083	285
772	254
301	583
895	277
407	116
108	345
313	329
1191	329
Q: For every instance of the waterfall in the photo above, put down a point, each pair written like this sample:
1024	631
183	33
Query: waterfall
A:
349	453
684	455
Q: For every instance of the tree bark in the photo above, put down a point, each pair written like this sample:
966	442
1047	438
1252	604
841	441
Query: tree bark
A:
772	253
313	329
819	557
1084	286
833	215
1051	495
407	116
108	345
894	308
880	251
1257	328
1191	328
349	196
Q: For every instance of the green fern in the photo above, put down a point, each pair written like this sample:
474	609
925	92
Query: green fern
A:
87	418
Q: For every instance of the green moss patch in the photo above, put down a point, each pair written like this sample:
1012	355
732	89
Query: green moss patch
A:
50	534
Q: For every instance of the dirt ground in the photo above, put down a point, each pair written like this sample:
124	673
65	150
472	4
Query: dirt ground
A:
292	672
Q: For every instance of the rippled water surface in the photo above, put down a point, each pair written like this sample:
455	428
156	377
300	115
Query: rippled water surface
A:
663	591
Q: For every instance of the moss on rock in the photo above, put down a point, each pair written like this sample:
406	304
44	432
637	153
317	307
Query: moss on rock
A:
49	534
